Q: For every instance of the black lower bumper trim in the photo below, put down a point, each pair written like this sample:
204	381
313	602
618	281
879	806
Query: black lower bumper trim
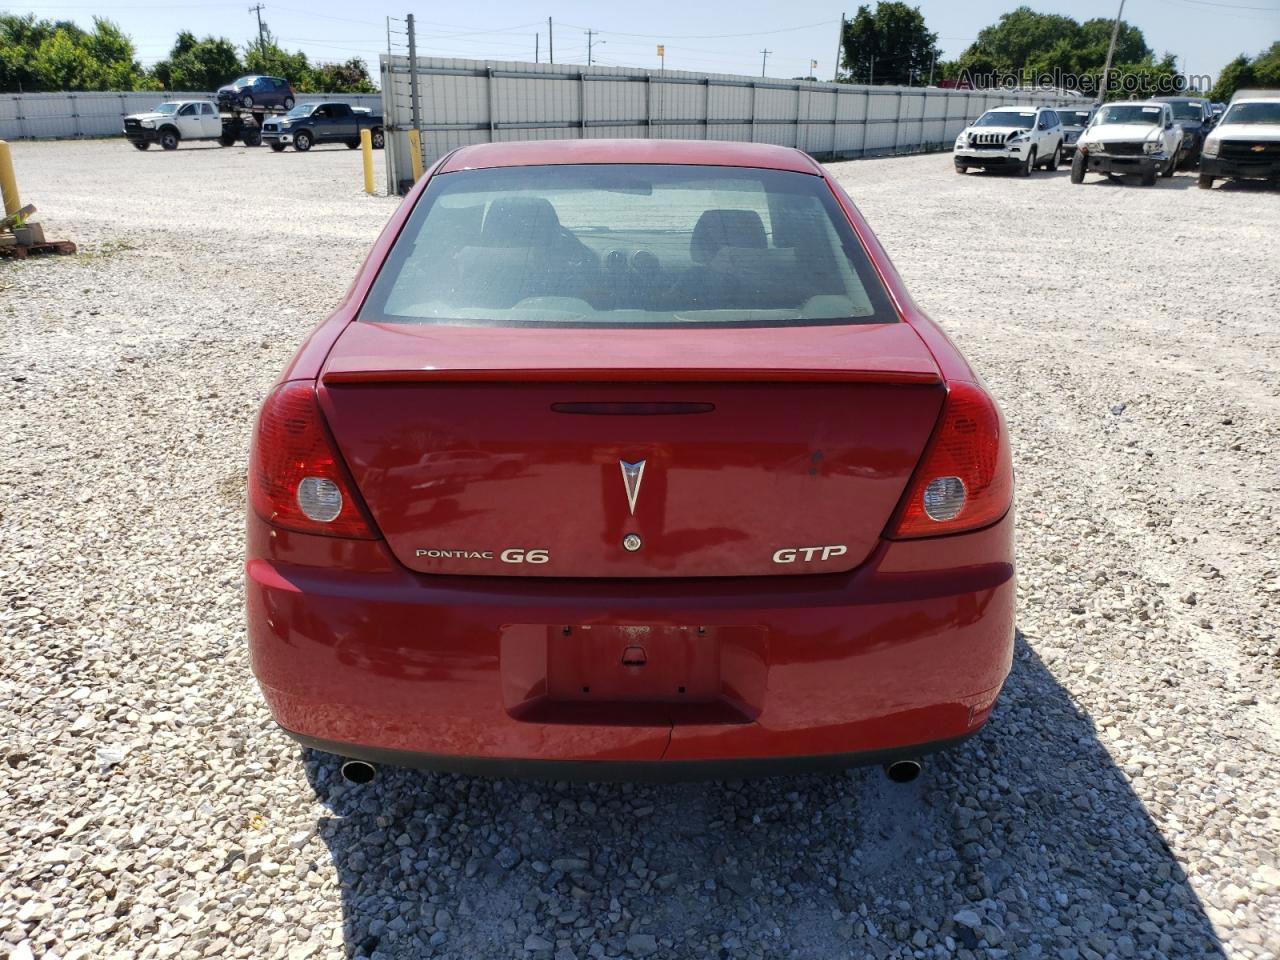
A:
1001	161
1214	167
1106	164
145	135
650	771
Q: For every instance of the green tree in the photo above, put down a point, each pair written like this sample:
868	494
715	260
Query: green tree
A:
1043	48
1148	77
890	45
198	64
1266	67
1020	39
270	58
349	77
47	55
1237	74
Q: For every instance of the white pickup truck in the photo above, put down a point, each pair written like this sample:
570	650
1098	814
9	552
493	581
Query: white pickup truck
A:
176	120
1130	137
1246	142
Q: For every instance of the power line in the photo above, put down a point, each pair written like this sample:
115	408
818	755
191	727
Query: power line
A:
710	36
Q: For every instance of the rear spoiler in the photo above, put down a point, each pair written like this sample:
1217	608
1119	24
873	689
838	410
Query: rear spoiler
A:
629	375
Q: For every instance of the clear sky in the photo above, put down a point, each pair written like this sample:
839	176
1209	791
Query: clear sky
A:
720	36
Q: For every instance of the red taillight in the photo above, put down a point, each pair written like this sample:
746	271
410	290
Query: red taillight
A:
295	478
965	479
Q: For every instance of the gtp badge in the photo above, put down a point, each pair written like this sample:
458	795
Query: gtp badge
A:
632	475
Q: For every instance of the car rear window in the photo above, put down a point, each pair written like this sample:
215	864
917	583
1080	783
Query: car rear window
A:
627	245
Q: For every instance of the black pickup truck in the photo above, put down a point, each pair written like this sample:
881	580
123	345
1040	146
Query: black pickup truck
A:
310	123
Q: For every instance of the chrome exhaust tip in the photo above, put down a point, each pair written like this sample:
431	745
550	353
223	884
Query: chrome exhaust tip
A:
902	771
358	771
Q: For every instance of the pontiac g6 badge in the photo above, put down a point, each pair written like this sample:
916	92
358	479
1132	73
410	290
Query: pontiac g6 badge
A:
632	475
510	555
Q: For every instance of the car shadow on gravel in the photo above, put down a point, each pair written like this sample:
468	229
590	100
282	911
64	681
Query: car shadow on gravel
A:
1026	840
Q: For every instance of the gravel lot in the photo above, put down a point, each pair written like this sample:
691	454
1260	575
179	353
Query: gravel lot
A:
1123	801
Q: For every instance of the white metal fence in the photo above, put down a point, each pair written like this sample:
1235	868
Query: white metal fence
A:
478	101
39	116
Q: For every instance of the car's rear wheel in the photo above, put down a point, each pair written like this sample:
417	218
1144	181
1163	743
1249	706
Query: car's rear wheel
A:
277	148
1077	167
379	139
1024	170
1056	159
141	144
252	138
353	144
169	139
302	141
288	103
962	168
227	139
1205	182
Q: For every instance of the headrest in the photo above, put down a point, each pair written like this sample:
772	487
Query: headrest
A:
725	228
520	222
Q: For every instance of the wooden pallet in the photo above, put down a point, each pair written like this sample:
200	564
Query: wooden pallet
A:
20	251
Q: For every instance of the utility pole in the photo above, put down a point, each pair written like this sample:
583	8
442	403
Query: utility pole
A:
415	116
536	38
590	34
764	59
262	37
932	63
871	76
551	43
1106	70
839	50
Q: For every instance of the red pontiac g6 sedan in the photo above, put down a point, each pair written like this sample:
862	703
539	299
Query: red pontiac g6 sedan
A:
629	458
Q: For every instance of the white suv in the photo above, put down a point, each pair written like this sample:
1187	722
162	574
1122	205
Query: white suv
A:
1019	137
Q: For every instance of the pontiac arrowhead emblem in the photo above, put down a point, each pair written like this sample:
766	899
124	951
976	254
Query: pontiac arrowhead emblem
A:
632	475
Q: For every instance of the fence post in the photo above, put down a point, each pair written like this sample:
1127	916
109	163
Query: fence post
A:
648	105
866	118
488	92
753	111
706	108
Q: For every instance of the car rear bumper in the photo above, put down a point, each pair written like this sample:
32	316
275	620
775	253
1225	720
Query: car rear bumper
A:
1217	167
360	657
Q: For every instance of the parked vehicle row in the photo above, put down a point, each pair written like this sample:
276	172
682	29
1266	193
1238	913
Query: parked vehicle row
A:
1148	138
249	110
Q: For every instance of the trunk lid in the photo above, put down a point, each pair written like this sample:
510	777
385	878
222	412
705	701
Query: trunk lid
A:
537	452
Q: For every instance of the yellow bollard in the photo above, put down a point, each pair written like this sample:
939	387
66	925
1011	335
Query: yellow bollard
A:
8	184
415	153
366	151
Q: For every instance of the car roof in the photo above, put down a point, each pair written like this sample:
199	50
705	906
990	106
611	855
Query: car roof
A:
711	153
1021	108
